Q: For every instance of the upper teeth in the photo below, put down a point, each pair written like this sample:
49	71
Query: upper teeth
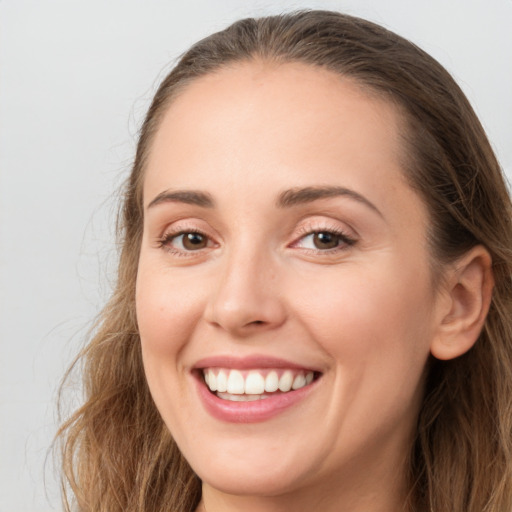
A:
255	382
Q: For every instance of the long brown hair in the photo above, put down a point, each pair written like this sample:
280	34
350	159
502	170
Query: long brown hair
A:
117	453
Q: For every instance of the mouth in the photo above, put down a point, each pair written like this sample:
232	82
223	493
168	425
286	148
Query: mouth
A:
252	389
238	385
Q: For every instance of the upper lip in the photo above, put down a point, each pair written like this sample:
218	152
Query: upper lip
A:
249	362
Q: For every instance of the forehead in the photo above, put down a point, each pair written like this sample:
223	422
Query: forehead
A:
259	100
278	124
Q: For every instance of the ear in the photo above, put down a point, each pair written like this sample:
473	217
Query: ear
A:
468	285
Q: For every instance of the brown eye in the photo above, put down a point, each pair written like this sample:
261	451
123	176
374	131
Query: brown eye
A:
193	241
325	240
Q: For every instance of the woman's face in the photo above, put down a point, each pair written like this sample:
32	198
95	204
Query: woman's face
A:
282	247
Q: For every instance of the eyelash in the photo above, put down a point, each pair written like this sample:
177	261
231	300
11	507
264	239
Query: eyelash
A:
165	241
345	240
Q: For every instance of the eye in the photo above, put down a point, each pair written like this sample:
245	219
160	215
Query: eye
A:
193	241
324	241
185	241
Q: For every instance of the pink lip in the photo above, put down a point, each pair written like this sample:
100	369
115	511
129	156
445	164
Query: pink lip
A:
254	411
249	362
250	412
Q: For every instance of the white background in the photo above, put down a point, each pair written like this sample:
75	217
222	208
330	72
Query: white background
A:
75	80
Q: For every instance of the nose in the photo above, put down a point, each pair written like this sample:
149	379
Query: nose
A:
247	297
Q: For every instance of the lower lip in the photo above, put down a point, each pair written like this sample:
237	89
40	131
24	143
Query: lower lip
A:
250	412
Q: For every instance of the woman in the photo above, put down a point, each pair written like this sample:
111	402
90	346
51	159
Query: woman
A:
313	303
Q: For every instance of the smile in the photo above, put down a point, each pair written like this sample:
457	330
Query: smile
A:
238	386
252	389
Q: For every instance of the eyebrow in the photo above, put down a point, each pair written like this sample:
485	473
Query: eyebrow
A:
286	199
184	196
297	196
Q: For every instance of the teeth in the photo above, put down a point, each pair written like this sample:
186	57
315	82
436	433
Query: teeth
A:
285	382
222	381
272	382
254	384
212	381
236	384
251	385
241	398
298	382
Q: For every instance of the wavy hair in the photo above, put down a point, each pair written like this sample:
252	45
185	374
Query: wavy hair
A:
117	453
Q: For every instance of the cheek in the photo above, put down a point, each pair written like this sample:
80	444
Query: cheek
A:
166	314
374	325
371	319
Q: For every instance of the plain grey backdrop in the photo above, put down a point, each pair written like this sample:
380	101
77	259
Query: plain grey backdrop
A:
75	80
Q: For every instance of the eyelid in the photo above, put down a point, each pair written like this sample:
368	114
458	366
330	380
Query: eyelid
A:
187	225
182	227
308	227
165	243
322	223
345	241
328	226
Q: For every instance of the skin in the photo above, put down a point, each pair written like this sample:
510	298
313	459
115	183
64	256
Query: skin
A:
364	314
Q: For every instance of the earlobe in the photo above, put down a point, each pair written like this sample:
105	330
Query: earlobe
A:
469	287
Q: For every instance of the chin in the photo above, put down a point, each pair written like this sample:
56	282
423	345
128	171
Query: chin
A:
250	482
261	468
